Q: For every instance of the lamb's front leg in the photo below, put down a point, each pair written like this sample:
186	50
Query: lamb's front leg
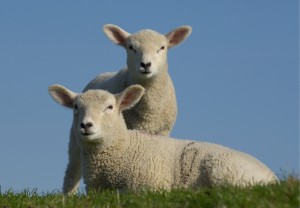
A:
73	171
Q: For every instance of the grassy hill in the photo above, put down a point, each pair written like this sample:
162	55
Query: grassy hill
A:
285	194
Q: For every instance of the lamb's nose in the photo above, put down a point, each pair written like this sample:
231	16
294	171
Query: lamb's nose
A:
86	125
145	66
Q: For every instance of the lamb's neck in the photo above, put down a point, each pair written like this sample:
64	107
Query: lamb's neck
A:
156	82
158	85
158	96
116	142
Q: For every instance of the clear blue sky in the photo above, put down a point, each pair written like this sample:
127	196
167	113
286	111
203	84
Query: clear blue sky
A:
236	76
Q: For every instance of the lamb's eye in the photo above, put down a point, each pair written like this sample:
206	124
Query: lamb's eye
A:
161	49
131	48
110	107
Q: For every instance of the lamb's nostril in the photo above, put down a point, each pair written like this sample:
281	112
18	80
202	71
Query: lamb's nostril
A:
87	125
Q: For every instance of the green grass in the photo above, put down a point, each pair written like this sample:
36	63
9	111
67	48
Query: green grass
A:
285	194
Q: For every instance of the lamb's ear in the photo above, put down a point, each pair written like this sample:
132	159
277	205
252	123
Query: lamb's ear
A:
129	97
115	34
178	35
62	95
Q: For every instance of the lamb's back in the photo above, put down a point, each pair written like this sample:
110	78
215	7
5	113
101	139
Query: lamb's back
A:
207	164
113	82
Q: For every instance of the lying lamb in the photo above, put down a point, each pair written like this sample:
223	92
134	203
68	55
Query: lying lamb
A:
146	65
114	157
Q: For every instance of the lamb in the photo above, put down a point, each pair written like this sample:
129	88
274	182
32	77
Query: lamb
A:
146	65
116	157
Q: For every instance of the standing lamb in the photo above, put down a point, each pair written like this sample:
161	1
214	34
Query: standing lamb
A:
115	157
147	66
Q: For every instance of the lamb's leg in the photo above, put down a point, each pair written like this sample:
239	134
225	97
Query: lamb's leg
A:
73	171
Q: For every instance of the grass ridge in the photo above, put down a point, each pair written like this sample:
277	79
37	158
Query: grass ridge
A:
284	194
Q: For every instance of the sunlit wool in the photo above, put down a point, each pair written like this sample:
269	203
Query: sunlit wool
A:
114	157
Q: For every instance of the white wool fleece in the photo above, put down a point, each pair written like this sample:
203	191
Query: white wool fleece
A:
114	157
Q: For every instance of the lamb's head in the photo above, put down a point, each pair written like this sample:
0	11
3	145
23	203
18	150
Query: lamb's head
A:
146	49
97	113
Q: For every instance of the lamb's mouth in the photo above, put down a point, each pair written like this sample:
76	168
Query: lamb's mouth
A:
86	134
90	137
145	72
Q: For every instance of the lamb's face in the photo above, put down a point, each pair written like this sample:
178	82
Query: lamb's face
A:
147	49
94	115
97	113
146	54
